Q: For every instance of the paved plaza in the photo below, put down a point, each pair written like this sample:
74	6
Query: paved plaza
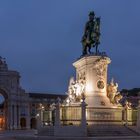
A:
31	135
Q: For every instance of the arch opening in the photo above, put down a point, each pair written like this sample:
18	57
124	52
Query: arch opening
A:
3	110
33	123
23	123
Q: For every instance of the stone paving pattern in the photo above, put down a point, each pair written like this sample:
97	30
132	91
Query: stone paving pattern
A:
31	135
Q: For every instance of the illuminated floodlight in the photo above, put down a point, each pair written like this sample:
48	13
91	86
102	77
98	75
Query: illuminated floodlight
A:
37	114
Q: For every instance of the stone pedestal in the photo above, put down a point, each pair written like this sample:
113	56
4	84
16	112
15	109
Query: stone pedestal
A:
93	69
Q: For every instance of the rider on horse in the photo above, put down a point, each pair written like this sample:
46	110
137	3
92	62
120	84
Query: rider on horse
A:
91	33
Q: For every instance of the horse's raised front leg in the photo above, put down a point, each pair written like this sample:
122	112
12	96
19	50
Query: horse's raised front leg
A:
89	48
96	49
84	50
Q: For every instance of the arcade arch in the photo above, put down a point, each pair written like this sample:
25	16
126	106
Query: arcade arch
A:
23	123
3	109
33	123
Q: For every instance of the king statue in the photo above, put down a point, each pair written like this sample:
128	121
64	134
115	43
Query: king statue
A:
91	34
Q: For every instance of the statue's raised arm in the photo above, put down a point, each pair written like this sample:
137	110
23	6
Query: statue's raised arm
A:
91	34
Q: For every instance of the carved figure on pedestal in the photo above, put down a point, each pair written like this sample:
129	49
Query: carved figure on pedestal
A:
112	92
71	90
100	66
117	98
128	105
76	90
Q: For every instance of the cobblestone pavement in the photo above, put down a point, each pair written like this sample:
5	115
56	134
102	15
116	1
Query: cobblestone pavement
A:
30	135
14	134
70	138
7	138
79	138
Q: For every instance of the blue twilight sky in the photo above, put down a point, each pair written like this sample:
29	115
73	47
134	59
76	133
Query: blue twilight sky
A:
41	40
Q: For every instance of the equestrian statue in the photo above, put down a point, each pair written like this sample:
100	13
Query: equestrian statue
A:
91	34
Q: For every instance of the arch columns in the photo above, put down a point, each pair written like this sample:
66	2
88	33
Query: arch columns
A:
18	117
15	116
27	117
10	116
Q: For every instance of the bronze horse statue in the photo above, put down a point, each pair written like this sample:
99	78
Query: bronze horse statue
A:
91	34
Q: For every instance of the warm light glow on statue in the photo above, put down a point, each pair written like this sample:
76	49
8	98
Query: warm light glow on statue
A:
75	91
89	87
112	92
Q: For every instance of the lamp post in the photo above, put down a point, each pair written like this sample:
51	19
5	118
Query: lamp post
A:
39	116
83	111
